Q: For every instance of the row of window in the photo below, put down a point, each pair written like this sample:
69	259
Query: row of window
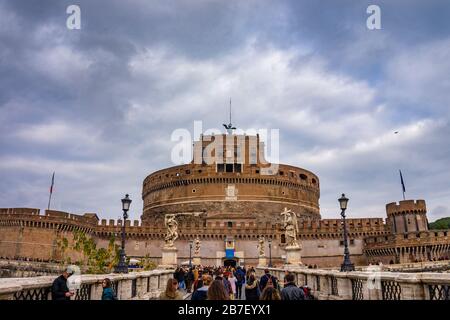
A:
286	184
229	167
235	168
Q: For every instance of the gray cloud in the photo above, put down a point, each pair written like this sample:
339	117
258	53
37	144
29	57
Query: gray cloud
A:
98	105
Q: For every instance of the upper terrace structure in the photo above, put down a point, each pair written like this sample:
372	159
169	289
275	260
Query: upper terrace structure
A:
229	175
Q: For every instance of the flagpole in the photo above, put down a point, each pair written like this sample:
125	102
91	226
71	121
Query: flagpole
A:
49	199
51	191
403	184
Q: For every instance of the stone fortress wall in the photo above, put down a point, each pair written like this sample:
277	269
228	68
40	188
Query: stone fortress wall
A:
232	196
25	234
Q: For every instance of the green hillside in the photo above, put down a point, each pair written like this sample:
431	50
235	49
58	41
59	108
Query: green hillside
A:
443	223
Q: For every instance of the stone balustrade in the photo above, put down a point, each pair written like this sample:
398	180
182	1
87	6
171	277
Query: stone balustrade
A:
369	285
132	286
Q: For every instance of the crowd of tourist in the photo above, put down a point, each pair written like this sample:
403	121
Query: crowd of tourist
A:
229	283
208	283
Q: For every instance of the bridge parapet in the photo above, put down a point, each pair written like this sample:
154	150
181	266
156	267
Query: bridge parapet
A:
369	284
131	286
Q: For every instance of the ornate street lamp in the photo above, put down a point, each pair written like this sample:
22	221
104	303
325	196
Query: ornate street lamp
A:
190	253
122	267
346	265
270	253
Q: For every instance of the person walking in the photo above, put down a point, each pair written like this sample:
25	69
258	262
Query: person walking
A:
266	279
202	292
171	292
108	292
180	278
227	284
60	291
189	279
240	280
217	291
233	282
290	290
252	288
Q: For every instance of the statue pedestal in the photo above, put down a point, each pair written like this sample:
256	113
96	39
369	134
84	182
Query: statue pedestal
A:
169	258
293	256
262	261
196	261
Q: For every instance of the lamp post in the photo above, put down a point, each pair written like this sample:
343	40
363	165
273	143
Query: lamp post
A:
190	253
122	267
346	265
270	253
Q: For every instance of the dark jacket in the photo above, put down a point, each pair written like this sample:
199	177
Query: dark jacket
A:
180	276
59	289
240	277
265	278
292	292
108	294
252	291
200	293
189	276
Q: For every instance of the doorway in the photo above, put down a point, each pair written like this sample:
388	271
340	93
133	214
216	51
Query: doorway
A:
230	263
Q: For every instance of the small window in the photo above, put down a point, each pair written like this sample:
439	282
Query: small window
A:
199	171
194	191
341	243
230	224
237	167
303	176
177	174
283	238
281	173
220	167
229	167
257	171
314	181
188	171
352	241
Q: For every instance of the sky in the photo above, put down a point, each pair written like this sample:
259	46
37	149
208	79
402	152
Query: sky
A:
98	105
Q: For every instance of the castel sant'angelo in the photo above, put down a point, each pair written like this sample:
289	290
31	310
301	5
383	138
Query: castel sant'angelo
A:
229	200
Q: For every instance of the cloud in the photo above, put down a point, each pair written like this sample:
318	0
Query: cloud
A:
98	105
440	212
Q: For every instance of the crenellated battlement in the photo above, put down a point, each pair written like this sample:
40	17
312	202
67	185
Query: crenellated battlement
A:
33	211
406	206
50	219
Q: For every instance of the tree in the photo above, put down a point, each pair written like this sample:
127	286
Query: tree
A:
146	264
443	223
100	260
